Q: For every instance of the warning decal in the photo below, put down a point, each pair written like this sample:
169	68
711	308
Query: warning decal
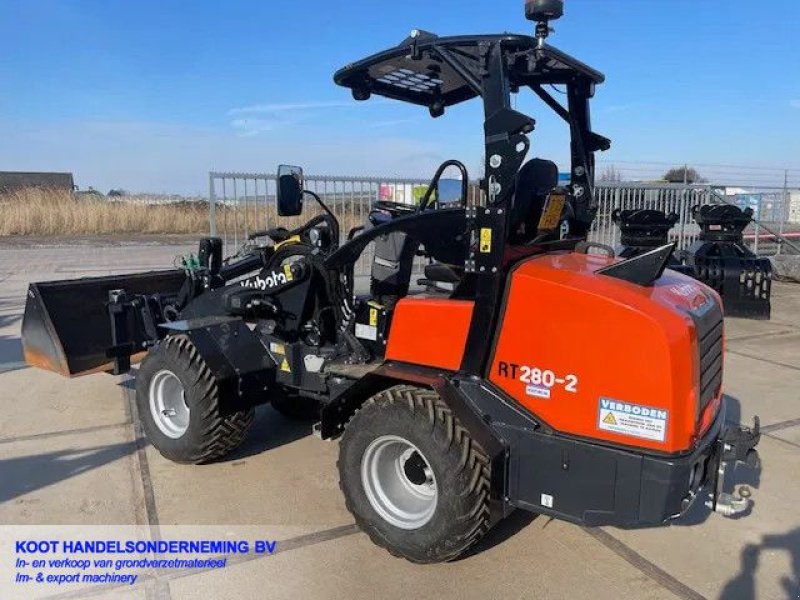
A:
285	366
486	240
551	215
633	419
366	332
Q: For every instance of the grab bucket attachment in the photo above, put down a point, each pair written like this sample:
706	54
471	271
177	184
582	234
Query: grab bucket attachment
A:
67	328
721	260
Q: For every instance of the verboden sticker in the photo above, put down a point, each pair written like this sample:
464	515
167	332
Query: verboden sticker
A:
635	420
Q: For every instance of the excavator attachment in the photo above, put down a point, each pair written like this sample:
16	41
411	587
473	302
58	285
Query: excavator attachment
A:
67	326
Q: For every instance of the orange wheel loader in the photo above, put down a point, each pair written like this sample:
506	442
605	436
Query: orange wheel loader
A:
531	370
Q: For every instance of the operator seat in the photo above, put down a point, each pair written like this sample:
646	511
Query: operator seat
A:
535	181
393	259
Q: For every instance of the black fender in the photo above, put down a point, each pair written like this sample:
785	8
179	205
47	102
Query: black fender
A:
235	356
335	415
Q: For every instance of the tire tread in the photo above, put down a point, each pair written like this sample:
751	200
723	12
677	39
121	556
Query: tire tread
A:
222	432
473	524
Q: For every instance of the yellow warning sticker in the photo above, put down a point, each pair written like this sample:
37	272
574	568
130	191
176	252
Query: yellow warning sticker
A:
285	366
373	317
486	240
610	420
551	215
287	270
277	348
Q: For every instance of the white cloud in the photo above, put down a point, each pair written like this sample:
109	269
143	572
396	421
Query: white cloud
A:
287	107
392	123
250	127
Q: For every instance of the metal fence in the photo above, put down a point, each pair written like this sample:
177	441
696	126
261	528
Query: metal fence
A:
776	211
244	203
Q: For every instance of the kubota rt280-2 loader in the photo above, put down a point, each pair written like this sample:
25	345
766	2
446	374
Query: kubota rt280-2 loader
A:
537	371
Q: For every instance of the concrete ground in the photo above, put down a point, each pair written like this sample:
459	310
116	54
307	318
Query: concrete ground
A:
72	454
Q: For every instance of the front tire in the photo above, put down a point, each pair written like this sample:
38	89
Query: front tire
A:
180	406
413	478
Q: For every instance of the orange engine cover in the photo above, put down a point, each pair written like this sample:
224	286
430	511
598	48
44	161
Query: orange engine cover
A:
601	358
430	331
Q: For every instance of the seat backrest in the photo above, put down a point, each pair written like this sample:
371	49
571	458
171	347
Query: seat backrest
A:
392	266
535	181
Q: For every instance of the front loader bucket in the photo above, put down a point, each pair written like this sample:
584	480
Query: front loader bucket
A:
67	328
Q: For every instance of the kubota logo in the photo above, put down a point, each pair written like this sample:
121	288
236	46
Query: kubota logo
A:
272	280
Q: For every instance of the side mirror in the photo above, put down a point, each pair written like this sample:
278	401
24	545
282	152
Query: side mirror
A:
290	191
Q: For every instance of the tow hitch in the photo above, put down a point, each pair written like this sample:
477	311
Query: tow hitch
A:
737	445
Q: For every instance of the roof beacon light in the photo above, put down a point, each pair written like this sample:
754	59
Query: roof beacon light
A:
543	11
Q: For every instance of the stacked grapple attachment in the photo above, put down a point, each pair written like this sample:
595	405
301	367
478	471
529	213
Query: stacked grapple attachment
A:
721	260
645	230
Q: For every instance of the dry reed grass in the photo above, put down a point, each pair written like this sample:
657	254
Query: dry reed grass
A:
40	212
59	213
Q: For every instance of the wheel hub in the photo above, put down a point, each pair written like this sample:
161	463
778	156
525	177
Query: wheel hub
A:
399	482
168	404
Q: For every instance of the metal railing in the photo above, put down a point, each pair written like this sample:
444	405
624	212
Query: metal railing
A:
670	198
243	203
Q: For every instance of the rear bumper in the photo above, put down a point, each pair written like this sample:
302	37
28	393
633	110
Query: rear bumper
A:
596	485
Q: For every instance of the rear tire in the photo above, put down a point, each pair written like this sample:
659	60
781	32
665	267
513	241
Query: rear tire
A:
413	478
180	406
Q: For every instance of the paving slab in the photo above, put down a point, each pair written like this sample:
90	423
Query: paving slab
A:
748	557
37	402
790	435
785	304
745	329
86	478
780	347
545	559
757	387
280	475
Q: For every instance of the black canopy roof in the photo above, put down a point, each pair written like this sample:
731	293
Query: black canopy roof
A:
425	68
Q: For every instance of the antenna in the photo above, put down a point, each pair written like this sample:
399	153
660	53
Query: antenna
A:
543	11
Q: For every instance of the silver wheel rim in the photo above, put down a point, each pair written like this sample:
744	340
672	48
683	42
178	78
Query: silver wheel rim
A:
168	404
399	482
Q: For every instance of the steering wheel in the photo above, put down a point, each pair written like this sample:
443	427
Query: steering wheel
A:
384	211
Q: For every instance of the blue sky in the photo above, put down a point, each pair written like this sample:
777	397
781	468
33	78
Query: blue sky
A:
150	96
